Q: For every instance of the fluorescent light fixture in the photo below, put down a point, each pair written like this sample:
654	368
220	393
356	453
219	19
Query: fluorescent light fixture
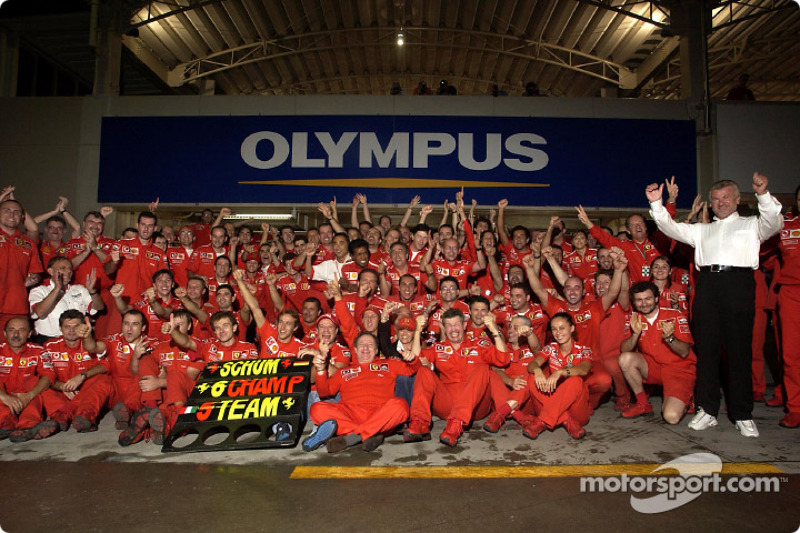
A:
261	216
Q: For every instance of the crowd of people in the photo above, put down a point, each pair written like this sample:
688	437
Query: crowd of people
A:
465	319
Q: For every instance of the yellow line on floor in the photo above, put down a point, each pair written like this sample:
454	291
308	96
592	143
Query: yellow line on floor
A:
492	472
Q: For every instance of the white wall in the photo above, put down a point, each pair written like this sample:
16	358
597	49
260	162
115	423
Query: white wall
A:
763	137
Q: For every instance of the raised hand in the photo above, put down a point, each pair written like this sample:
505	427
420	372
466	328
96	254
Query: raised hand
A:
85	329
759	183
672	190
325	209
654	192
636	323
583	217
91	280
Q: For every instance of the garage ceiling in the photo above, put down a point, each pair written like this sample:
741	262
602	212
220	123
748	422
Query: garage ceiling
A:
572	48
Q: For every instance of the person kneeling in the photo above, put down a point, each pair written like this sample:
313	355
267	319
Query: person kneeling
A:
664	355
562	398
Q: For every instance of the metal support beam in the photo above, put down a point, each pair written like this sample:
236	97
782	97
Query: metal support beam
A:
193	4
9	62
108	63
623	9
650	67
504	45
147	57
759	11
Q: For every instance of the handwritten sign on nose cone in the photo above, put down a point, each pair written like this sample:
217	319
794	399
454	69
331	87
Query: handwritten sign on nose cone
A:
236	405
290	159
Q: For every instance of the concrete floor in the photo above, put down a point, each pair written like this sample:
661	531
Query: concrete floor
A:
86	482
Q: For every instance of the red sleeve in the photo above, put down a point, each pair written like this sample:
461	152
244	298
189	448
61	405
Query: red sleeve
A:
35	265
492	355
604	237
348	325
329	386
472	254
361	306
554	306
403	368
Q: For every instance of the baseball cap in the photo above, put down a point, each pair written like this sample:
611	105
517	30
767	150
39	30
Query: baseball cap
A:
406	322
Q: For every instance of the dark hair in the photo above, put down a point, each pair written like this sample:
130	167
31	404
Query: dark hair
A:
183	313
478	299
70	314
562	314
146	214
603	272
163	271
524	286
420	227
56	218
523	228
355	244
398	243
448	278
642	286
219	315
313	300
453	312
136	312
227	287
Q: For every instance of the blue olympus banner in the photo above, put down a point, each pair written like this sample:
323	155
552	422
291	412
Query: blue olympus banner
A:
302	159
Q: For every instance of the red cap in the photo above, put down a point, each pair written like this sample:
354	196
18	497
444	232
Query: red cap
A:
406	322
329	317
252	256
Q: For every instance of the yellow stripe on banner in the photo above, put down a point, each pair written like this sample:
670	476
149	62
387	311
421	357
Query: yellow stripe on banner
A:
492	472
394	183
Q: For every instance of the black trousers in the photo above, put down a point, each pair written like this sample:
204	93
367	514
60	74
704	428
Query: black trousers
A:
723	314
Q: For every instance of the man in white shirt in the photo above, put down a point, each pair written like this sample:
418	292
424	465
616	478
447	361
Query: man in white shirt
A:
726	253
49	301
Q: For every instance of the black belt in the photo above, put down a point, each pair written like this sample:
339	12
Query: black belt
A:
724	268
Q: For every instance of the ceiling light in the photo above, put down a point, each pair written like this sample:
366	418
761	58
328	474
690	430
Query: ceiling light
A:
261	216
401	39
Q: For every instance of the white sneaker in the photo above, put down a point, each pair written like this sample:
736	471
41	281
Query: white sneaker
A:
702	420
747	428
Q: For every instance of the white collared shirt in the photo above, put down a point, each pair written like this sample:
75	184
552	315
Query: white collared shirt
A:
75	297
329	270
732	241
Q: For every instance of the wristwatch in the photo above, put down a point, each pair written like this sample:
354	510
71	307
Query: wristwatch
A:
670	339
